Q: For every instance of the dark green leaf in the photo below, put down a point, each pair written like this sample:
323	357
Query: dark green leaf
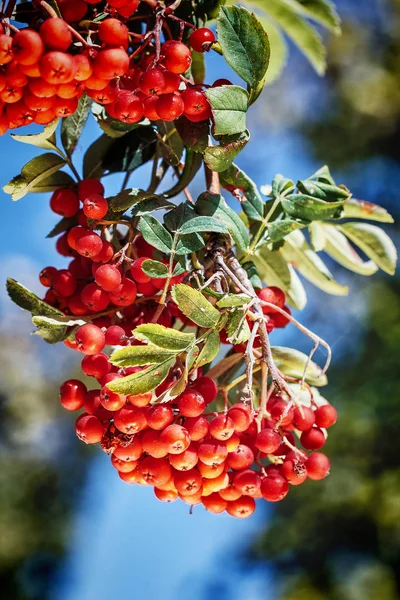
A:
229	105
72	127
203	224
154	268
311	209
323	175
219	158
209	350
63	225
175	219
195	306
322	190
193	163
27	300
127	198
215	206
374	242
140	355
164	337
281	186
277	230
148	206
94	155
237	182
187	244
57	180
155	234
198	67
33	173
143	381
130	152
244	44
252	274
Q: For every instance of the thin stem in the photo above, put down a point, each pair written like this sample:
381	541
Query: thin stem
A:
264	394
126	180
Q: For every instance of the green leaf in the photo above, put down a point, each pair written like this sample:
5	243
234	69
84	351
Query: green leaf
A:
111	127
203	224
274	270
195	306
27	300
45	139
209	350
323	191
130	152
194	135
360	209
219	158
317	236
237	327
233	300
154	268
244	44
229	105
93	159
301	33
146	207
374	242
143	381
57	180
338	247
155	234
63	225
278	230
140	355
292	362
323	175
193	242
311	209
127	198
322	11
175	219
193	162
281	186
164	337
279	50
214	205
252	274
198	67
35	171
54	329
237	182
72	127
297	251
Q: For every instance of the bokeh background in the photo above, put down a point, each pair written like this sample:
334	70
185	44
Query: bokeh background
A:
71	530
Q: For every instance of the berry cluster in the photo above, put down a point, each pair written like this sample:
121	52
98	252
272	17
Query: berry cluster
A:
43	74
179	446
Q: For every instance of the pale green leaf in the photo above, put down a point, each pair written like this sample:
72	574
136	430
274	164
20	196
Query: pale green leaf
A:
140	355
143	381
376	244
292	363
195	306
229	105
209	350
45	139
339	248
360	209
72	126
164	337
35	171
155	234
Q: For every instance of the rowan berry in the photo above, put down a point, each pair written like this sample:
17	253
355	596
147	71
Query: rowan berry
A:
72	394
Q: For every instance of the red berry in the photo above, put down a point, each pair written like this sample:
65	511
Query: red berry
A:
93	406
140	399
115	336
242	507
201	39
113	32
241	458
326	416
214	503
212	453
152	82
46	275
95	207
27	47
108	277
190	403
197	428
160	416
222	427
302	423
109	399
94	297
130	419
89	429
155	471
274	488
248	482
274	295
282	413
128	107
268	441
175	438
64	202
137	272
105	254
89	244
195	102
294	471
56	34
96	365
124	294
72	394
57	67
90	339
87	187
186	460
188	482
177	57
152	444
241	416
206	387
170	106
64	283
313	439
318	466
110	63
166	495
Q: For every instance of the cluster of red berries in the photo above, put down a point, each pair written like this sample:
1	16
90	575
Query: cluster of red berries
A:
42	76
182	451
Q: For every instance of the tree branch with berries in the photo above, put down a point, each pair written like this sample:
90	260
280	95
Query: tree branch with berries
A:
174	303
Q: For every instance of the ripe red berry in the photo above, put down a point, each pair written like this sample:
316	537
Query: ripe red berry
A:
6	52
282	413
176	56
155	471
89	244
175	438
57	67
94	297
27	47
140	399
108	277
56	34
201	39
197	427
325	416
241	416
241	508
268	441
222	427
128	107
214	503
46	275
130	419
186	460
241	458
313	439
166	495
95	207
124	294
274	295
93	406
152	444
190	403
160	416
274	488
113	32
105	254
90	339
72	10
294	471
110	63
129	453
212	453
87	187
72	394
152	82
170	106
302	423
96	365
188	482
115	336
109	399
195	102
318	466
64	283
206	387
89	429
